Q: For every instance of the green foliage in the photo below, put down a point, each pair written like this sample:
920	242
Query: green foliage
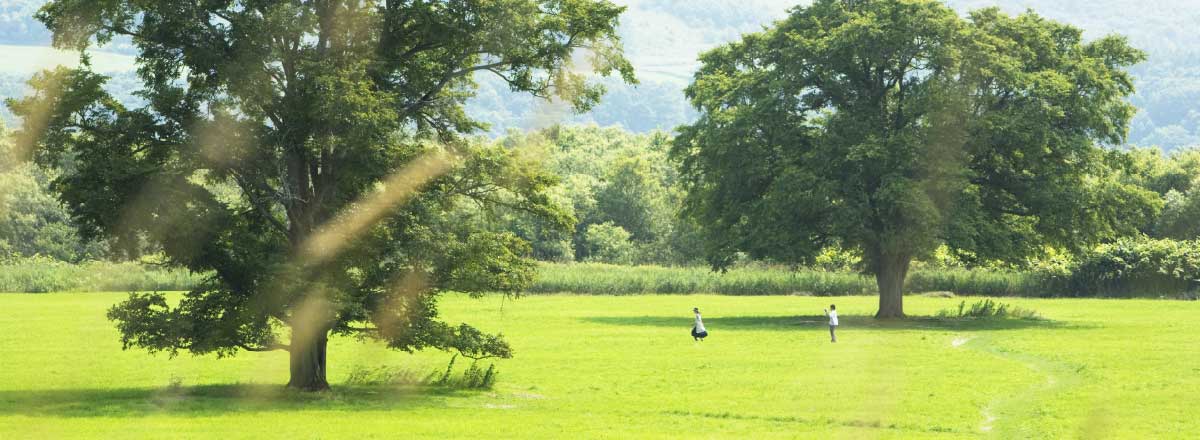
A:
478	378
488	262
33	223
834	258
896	126
1180	217
1137	266
633	198
1163	173
609	177
609	243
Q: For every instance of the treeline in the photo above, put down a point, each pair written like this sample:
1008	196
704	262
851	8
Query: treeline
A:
625	196
33	223
620	187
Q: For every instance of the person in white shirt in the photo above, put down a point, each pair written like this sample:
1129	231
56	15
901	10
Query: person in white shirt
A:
833	322
698	331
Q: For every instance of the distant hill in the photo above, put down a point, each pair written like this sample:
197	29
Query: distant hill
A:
663	38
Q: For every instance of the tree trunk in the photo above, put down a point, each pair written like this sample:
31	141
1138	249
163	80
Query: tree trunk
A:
308	360
890	272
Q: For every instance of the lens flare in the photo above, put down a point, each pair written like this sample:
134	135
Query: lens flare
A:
331	238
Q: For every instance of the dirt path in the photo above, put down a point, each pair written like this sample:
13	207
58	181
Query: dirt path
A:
1004	414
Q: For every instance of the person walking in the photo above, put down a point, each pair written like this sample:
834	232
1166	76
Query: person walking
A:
833	322
698	331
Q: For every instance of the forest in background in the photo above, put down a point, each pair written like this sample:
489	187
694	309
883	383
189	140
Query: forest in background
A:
625	195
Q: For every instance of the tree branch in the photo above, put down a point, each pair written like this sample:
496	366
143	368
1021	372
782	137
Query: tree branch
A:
269	347
477	358
250	190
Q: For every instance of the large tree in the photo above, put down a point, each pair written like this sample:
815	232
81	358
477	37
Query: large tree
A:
895	126
309	154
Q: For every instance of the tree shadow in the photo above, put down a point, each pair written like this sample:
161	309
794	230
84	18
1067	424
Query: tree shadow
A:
210	400
810	322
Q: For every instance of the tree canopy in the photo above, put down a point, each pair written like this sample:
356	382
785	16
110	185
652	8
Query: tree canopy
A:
895	126
308	154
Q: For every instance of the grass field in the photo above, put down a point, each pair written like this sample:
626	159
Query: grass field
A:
624	367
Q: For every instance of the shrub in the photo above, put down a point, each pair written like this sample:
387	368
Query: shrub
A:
988	309
1136	267
473	378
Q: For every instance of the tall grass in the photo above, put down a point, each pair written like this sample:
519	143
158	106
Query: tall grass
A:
988	309
984	282
606	279
47	275
36	275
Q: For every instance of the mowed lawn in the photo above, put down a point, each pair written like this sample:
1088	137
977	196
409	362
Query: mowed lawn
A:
625	367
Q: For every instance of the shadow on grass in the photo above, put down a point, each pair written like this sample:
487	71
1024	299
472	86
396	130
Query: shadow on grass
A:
810	322
209	400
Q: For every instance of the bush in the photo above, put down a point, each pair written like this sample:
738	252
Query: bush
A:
1135	267
473	378
988	309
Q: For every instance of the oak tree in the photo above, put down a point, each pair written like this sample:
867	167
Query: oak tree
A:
897	126
309	155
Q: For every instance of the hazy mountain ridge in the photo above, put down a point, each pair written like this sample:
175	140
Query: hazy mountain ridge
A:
663	38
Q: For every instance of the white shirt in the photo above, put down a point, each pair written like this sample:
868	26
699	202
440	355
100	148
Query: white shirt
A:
699	324
832	317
